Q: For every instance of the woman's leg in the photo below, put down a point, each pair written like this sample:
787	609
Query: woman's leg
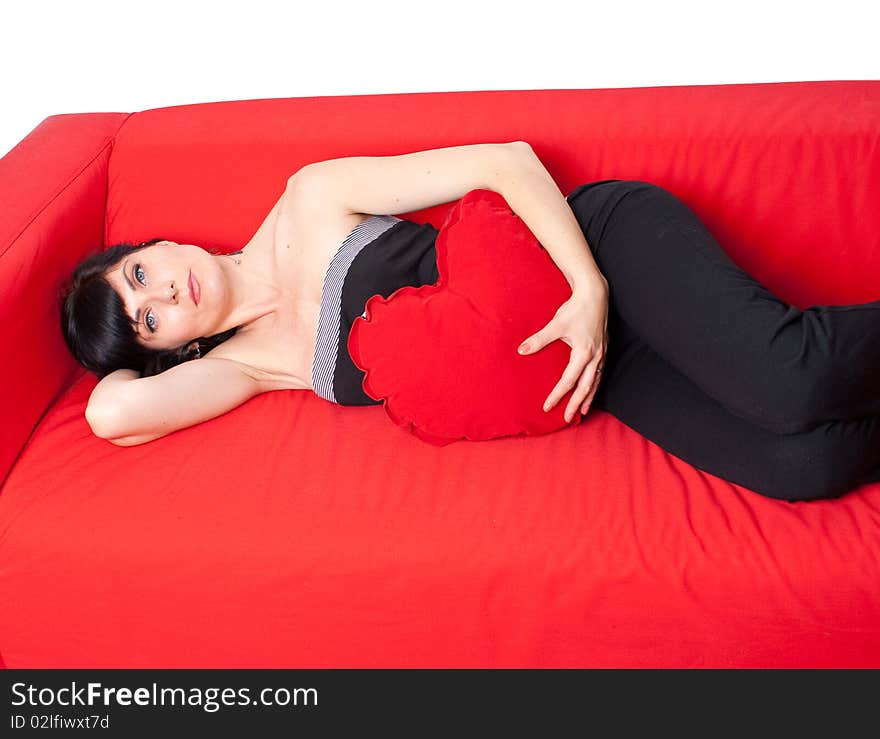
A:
646	393
770	363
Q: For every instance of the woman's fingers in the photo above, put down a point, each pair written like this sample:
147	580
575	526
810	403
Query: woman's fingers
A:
572	372
587	375
589	401
574	324
597	377
585	389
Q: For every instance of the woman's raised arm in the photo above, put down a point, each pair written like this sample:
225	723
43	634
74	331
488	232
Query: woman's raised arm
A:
127	409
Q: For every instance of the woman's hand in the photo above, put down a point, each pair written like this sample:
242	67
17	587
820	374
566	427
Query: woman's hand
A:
582	323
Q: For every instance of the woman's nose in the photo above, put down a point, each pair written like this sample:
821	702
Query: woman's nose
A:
169	292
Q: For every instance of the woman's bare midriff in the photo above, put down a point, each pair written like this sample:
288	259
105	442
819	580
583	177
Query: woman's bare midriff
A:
282	346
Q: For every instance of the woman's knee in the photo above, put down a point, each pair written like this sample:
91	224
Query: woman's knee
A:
595	203
648	190
787	402
806	467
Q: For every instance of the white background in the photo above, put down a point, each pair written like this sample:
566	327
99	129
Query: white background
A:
96	55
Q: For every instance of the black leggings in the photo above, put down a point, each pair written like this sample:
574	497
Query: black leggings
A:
712	367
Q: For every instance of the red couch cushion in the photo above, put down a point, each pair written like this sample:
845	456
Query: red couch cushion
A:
444	357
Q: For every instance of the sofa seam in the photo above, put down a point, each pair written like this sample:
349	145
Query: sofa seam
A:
112	144
63	388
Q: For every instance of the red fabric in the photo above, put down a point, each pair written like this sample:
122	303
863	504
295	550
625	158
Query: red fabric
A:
444	358
53	187
292	532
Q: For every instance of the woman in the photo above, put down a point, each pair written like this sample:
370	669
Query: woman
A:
697	355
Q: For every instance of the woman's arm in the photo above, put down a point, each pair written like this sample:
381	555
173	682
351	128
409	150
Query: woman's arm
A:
421	179
404	183
127	409
533	195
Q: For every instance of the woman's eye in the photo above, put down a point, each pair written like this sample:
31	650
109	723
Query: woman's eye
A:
137	268
150	322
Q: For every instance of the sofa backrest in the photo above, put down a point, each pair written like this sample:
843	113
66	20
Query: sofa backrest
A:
803	219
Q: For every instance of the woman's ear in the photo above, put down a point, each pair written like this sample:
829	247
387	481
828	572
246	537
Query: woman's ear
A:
192	351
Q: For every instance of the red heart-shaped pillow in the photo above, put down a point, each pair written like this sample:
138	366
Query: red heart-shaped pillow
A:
444	357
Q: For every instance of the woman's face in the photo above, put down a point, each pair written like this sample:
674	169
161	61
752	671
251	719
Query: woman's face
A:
154	284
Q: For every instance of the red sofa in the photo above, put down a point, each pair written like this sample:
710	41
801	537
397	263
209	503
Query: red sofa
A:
292	532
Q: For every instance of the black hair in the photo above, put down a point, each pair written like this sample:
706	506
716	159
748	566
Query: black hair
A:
99	333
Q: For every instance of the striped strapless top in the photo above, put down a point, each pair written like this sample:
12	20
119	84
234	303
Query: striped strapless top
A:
381	255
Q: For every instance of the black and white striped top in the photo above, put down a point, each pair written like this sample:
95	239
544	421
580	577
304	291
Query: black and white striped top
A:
381	255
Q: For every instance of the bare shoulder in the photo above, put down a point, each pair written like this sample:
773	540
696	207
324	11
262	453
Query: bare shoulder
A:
312	225
314	209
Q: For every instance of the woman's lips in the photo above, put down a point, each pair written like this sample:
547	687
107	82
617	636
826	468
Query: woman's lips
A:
195	290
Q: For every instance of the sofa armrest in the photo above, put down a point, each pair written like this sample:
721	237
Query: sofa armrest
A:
53	190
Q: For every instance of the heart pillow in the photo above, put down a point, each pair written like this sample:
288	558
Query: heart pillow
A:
444	358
